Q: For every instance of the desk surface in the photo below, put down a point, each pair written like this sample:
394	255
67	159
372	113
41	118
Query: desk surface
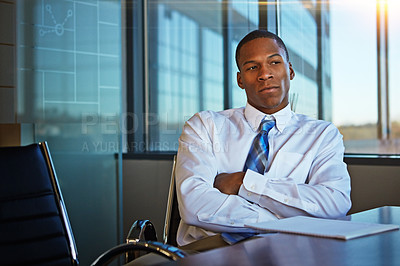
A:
287	249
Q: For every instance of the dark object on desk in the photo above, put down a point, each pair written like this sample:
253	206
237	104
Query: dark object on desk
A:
34	225
233	238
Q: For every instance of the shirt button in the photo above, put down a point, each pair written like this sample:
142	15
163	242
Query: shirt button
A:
232	222
253	187
248	194
286	200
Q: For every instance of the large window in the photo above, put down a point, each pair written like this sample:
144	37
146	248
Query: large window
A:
364	102
354	72
394	82
338	49
185	66
189	66
298	28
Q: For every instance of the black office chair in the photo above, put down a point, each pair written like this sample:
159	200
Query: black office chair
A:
34	225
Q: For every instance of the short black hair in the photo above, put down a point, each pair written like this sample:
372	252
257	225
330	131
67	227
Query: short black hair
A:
260	34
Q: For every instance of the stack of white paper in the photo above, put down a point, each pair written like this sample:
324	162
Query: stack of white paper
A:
329	228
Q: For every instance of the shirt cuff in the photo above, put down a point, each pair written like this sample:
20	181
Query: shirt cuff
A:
253	186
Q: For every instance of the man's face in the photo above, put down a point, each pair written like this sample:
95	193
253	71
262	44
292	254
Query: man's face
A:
265	74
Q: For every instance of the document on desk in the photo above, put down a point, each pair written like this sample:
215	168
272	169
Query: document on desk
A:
339	229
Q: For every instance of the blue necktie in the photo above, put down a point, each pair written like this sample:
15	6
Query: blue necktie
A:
258	154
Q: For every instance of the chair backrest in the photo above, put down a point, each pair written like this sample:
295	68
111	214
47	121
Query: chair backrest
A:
142	235
172	216
34	225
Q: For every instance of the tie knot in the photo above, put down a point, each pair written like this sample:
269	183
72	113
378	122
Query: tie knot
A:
266	125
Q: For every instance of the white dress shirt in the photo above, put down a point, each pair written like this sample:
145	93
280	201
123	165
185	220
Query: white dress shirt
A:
306	174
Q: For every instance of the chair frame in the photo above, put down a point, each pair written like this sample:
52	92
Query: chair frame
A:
170	207
165	250
60	201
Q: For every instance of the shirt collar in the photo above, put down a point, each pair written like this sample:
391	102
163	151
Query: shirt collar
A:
254	117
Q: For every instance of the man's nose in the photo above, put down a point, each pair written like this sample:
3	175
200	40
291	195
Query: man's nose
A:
265	73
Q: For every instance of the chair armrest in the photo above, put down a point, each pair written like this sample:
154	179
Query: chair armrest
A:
168	251
142	230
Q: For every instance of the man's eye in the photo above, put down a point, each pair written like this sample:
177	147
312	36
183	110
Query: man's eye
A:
252	67
275	62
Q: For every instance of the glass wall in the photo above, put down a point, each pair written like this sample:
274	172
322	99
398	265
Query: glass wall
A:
69	90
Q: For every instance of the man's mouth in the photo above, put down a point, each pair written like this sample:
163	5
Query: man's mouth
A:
269	88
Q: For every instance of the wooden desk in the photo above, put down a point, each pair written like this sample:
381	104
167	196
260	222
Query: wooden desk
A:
286	249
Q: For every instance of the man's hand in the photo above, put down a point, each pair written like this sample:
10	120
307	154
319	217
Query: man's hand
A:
229	183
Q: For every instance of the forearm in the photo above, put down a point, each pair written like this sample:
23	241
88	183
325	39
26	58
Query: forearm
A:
203	205
323	191
287	199
229	183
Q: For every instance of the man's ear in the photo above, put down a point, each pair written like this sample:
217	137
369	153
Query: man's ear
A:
291	71
239	80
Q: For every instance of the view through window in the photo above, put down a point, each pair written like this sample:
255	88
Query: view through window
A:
354	49
336	48
187	44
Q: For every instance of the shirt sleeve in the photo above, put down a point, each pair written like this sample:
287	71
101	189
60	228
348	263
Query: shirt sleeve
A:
200	204
326	192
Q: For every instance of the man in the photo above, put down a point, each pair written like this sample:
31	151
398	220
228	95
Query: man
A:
304	172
